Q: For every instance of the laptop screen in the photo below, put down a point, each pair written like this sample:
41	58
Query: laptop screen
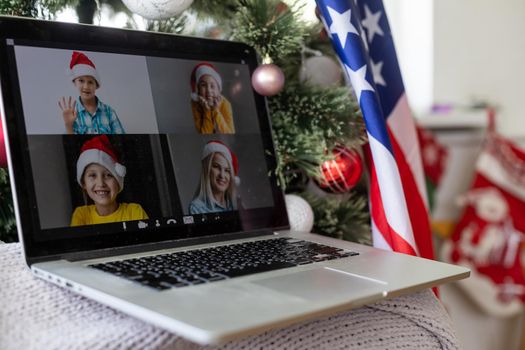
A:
121	137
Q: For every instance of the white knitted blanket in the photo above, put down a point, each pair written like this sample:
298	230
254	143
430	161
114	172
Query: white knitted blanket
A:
37	315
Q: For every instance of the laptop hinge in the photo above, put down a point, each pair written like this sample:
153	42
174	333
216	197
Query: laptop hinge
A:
102	253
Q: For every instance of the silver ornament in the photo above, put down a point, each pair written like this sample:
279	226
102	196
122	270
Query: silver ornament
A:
157	9
300	213
320	71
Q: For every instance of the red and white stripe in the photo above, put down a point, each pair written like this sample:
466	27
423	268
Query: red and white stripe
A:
398	198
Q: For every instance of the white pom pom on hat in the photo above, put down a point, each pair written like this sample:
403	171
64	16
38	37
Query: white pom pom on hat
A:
99	150
215	146
203	68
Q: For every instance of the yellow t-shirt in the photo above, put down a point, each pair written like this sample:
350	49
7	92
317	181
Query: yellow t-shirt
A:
215	121
87	214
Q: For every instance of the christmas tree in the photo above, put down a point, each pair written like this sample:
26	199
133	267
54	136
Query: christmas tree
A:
316	121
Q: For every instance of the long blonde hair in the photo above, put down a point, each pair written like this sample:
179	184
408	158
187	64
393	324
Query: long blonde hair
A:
204	191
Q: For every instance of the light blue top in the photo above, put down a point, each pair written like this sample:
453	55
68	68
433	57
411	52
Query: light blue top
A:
103	121
198	206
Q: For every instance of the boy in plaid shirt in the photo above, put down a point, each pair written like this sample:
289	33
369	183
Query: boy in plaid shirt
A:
87	114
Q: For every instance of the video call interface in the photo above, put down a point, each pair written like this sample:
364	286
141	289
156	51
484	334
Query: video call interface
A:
137	142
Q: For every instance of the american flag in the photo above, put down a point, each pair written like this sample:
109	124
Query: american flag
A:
362	39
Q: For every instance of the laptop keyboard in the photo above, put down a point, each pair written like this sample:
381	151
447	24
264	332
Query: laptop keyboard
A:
181	269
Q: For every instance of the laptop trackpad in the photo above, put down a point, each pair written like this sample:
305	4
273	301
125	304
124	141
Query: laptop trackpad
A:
323	283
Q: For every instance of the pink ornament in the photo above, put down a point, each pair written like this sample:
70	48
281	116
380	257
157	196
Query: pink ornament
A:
268	79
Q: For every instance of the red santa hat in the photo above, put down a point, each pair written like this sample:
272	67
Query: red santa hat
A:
216	146
99	150
203	68
81	65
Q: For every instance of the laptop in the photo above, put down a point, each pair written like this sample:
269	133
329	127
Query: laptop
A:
143	176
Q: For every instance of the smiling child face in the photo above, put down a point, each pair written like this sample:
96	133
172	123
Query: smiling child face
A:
208	87
102	187
86	85
220	174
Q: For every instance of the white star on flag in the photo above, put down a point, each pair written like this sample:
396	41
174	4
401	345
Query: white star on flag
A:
376	72
371	23
358	79
341	24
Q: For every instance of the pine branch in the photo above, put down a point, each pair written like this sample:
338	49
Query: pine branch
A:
341	216
24	8
269	27
174	25
7	214
308	122
46	9
222	11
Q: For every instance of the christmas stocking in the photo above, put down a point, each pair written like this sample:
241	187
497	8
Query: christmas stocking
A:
488	237
434	156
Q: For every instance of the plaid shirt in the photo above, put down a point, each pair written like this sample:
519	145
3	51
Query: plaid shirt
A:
103	121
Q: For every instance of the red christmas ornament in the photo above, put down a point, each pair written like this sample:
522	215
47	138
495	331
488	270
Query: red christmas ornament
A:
343	172
3	155
318	13
281	8
323	35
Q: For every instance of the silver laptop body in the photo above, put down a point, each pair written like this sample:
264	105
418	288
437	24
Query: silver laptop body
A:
147	79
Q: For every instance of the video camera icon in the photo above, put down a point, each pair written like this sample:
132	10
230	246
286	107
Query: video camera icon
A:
142	225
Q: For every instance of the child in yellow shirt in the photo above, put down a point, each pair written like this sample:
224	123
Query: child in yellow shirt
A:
212	112
101	177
